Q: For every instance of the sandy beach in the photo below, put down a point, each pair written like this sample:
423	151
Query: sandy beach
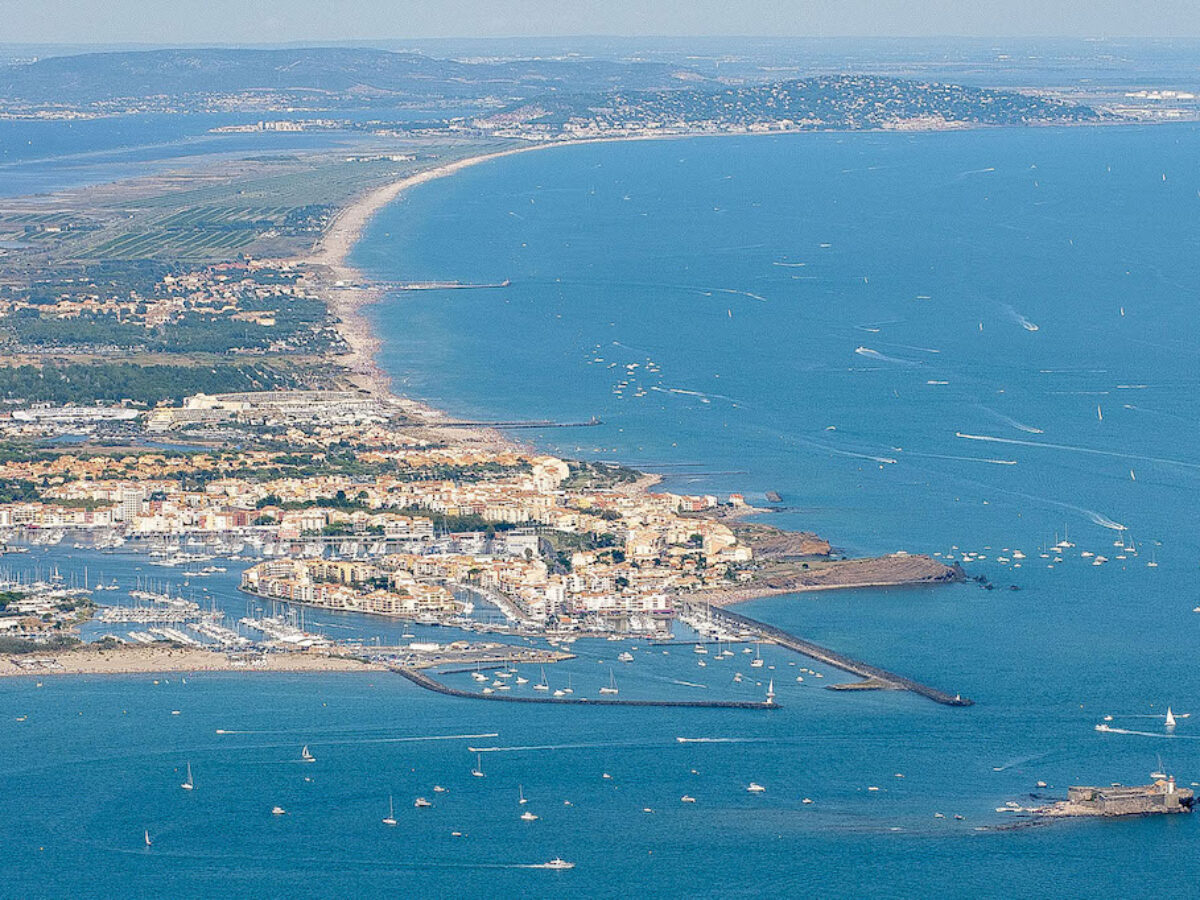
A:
348	291
158	660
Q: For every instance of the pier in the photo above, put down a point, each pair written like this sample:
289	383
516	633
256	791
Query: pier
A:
874	677
419	678
536	423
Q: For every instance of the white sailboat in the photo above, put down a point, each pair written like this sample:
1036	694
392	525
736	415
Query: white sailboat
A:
148	841
1170	718
391	816
1158	774
477	772
771	693
542	685
757	662
306	756
612	684
521	795
188	784
568	689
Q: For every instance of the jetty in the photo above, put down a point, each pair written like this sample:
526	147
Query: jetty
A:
535	423
443	285
420	678
874	678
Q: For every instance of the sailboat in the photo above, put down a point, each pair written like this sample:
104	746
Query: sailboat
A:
188	784
305	755
148	841
568	689
521	794
771	693
391	816
542	685
1153	564
478	770
757	662
1158	774
1170	718
612	684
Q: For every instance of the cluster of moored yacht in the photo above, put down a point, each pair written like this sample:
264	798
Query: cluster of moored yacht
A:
306	756
1125	549
507	678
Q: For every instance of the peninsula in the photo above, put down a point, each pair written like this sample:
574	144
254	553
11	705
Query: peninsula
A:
289	448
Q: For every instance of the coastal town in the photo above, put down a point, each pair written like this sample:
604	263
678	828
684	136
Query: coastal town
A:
352	511
684	587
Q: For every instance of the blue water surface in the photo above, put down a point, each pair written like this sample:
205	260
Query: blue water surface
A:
980	341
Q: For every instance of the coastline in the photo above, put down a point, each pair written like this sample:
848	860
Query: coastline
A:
346	291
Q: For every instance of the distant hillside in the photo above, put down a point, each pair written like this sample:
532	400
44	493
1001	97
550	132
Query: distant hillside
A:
834	101
340	74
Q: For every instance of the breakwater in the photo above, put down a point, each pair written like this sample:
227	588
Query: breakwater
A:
417	677
876	678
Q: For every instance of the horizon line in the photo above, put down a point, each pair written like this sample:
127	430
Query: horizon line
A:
368	41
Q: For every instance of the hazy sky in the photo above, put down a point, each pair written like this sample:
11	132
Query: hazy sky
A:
262	21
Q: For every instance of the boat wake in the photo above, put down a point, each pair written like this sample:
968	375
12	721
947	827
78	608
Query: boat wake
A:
982	459
1020	319
688	683
839	452
699	395
720	740
752	296
1008	420
532	747
913	347
1074	449
1108	729
880	357
362	740
1004	767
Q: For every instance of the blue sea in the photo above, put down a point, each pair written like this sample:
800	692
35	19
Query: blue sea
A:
981	342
